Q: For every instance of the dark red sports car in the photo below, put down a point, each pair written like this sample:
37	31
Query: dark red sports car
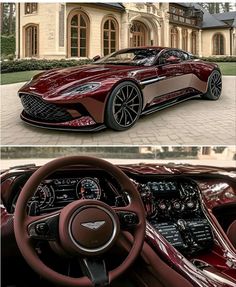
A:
115	90
81	221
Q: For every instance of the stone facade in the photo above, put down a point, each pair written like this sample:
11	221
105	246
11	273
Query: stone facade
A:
46	33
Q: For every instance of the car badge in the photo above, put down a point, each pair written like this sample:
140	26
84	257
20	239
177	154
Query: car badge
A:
93	225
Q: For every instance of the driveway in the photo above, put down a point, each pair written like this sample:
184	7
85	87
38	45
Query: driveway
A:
195	122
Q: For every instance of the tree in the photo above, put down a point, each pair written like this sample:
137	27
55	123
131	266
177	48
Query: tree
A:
7	18
226	7
217	7
211	7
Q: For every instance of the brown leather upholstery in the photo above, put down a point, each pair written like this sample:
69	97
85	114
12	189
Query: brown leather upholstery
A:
231	232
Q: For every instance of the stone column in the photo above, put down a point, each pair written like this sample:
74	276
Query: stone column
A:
61	31
234	42
180	38
200	43
189	40
159	37
125	32
165	27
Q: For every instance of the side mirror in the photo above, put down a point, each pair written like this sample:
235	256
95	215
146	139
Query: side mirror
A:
173	60
96	58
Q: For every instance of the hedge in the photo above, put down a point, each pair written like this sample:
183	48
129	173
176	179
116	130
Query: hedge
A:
8	44
219	59
33	64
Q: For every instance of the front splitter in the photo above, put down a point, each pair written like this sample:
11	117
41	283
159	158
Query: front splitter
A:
57	126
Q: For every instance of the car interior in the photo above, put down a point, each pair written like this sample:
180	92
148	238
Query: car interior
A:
82	221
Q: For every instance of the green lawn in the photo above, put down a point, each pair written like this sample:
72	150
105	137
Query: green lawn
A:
10	78
227	69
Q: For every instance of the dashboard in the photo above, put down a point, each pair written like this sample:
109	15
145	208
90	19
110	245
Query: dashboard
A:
178	202
173	206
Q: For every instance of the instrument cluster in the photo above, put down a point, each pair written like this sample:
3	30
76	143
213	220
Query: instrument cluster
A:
55	193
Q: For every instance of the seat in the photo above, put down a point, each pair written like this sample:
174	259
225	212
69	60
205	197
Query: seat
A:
231	233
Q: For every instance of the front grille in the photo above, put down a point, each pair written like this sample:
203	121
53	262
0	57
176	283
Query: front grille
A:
38	109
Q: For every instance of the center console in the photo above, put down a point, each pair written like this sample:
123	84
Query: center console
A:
173	208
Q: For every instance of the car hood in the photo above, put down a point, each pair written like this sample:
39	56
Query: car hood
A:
55	81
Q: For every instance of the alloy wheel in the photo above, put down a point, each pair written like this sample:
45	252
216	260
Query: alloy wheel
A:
126	105
216	84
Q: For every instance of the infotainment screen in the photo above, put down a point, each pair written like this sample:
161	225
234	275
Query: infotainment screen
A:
163	188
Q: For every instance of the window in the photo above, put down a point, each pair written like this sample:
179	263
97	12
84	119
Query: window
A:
194	42
174	38
218	44
138	31
206	150
31	8
110	35
31	41
185	39
78	34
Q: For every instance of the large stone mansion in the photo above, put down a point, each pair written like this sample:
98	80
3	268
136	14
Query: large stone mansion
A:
78	30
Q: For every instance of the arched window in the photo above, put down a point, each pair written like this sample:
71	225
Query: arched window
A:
110	36
78	32
31	40
194	42
138	31
218	44
174	38
31	8
185	39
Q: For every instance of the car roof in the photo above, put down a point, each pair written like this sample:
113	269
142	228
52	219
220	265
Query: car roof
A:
153	48
145	47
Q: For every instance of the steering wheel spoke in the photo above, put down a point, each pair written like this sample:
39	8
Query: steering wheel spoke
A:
43	227
95	269
127	217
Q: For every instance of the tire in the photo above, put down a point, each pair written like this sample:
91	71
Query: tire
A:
124	106
214	86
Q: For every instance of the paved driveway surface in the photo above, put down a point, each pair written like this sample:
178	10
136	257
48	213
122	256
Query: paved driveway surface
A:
195	122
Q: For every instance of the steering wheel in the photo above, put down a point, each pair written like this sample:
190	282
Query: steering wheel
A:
84	228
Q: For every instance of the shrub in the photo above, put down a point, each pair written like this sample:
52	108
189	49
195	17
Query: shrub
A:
34	64
8	46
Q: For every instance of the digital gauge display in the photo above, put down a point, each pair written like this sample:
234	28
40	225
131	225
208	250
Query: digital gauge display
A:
88	188
44	196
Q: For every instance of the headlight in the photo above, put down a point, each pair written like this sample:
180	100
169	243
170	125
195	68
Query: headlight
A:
83	89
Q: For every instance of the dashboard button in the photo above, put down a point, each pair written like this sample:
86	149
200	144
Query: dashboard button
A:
162	206
177	205
41	228
182	224
130	218
190	204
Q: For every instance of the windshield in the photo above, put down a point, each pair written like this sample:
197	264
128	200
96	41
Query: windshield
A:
140	57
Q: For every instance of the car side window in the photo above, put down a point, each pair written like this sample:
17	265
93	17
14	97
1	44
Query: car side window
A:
164	56
183	56
178	54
